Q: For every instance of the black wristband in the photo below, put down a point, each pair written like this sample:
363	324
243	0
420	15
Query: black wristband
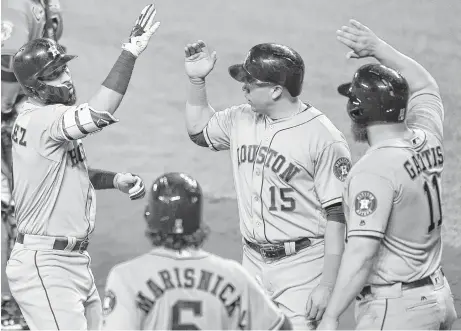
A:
120	75
101	179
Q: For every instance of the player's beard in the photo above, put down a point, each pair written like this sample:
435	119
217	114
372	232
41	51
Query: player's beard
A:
360	132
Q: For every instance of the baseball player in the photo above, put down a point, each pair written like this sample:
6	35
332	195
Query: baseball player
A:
22	21
49	269
393	195
289	166
177	285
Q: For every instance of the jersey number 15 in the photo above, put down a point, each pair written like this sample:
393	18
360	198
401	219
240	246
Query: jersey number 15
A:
433	204
288	203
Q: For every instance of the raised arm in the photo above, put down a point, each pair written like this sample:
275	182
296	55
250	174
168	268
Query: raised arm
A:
425	110
76	122
365	43
198	64
110	94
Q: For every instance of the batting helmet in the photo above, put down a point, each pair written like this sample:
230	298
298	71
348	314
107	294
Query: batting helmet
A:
272	63
376	94
175	205
39	61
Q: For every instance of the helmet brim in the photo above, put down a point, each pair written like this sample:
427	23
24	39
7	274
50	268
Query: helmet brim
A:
238	72
53	66
344	89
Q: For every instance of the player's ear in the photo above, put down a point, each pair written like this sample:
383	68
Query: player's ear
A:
276	91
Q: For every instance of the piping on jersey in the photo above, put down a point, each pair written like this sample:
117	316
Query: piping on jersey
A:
262	174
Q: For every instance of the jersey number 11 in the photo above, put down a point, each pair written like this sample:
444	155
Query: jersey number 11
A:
430	201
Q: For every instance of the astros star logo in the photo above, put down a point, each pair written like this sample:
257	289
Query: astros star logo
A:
365	203
54	51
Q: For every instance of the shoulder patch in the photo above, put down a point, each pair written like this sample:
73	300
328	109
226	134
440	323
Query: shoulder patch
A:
341	168
7	30
365	203
109	303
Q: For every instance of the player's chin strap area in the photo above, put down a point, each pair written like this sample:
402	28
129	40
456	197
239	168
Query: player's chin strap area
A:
77	122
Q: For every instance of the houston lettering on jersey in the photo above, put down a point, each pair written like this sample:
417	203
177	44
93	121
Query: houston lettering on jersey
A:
424	160
273	160
190	278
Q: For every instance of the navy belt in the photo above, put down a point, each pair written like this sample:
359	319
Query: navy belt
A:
278	250
61	243
405	286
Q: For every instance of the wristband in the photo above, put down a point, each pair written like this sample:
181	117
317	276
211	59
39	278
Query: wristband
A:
120	75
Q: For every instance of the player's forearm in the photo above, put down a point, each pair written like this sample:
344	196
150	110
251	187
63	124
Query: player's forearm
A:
334	248
114	87
198	110
417	76
101	179
355	268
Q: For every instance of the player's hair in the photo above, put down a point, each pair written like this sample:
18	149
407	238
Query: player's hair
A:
179	241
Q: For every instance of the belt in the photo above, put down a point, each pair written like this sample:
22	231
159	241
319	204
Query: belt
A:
278	250
405	286
61	243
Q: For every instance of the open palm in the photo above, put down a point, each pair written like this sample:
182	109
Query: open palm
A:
359	38
199	62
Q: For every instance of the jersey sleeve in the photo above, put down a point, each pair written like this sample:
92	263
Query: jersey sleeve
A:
51	126
369	203
262	313
331	169
218	130
119	307
425	111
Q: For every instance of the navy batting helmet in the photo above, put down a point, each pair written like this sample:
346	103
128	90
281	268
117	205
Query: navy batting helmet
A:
175	205
39	61
376	94
272	63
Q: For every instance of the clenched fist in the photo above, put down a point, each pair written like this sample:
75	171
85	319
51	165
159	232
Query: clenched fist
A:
130	184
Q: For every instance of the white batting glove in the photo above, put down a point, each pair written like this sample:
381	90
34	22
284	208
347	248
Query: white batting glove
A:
143	29
130	184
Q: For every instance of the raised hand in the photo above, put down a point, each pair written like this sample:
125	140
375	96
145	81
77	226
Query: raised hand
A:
143	29
359	38
199	62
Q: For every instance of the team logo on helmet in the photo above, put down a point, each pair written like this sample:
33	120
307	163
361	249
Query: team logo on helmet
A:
54	51
365	203
108	303
341	168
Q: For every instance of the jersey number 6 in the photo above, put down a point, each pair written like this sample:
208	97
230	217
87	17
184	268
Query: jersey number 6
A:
430	201
179	306
289	203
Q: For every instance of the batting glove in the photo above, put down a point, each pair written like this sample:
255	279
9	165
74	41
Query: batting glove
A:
143	29
130	184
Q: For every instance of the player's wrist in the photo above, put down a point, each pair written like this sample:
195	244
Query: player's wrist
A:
197	80
380	50
116	179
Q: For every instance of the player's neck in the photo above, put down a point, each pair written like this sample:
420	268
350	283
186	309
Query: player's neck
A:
378	133
285	108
